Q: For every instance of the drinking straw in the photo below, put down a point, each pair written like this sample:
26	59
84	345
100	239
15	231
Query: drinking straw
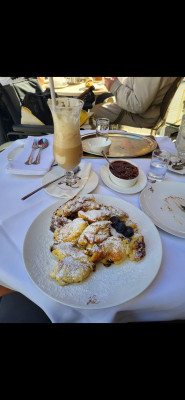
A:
52	91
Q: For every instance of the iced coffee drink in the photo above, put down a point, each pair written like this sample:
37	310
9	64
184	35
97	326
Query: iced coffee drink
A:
67	145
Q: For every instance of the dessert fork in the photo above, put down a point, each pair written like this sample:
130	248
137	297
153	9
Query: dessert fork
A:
34	146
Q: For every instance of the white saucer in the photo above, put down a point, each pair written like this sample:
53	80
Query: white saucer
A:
54	188
140	184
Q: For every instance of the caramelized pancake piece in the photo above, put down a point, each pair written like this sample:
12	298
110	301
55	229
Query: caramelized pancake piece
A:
71	231
70	270
95	253
95	233
58	221
116	212
137	248
105	212
64	249
71	207
133	225
115	250
94	215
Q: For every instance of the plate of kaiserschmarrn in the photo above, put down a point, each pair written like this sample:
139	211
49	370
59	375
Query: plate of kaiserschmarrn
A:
92	251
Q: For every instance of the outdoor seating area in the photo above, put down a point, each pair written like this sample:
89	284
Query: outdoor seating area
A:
92	208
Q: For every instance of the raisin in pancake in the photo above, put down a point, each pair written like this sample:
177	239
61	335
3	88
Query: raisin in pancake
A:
137	248
58	221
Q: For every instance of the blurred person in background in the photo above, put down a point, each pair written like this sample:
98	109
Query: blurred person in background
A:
136	101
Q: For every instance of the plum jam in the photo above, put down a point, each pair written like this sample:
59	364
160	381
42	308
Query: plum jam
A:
124	170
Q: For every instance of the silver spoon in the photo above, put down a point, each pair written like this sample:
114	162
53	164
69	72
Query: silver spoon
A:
42	144
104	155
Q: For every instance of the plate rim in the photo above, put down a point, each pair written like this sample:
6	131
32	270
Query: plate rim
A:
16	148
156	267
150	215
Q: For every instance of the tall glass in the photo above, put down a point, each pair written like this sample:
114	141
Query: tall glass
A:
102	127
67	144
158	165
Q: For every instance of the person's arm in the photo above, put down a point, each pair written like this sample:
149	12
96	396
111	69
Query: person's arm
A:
136	94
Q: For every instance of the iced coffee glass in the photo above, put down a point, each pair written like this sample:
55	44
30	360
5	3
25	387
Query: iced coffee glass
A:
67	145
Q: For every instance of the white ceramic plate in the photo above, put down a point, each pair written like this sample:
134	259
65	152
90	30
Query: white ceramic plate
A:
180	171
97	86
139	185
14	153
63	85
98	145
55	190
161	202
74	83
106	287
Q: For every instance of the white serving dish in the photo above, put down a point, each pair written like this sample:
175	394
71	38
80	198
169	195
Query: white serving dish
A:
123	183
99	144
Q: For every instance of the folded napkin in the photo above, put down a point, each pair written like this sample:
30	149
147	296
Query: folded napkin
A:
61	190
18	166
165	143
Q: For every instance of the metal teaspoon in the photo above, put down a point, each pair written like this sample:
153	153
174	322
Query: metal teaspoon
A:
42	143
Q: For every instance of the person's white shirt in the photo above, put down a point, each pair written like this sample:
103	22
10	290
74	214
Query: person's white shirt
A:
122	78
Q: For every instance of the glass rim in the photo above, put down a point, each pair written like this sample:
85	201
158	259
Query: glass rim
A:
160	152
80	102
103	119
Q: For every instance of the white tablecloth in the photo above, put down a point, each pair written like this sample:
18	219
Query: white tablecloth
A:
163	300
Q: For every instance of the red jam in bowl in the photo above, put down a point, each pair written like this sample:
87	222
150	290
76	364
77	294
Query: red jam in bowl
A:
124	170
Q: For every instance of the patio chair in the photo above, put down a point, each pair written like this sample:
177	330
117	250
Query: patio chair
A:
165	105
11	100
